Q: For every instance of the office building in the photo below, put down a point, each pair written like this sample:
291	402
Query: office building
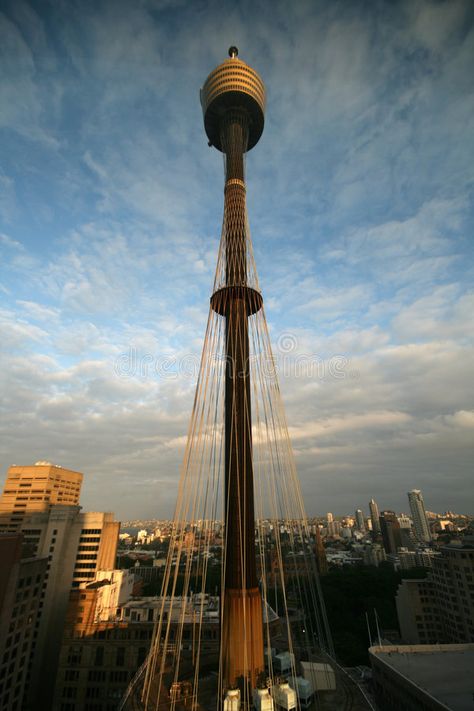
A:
21	584
440	607
390	529
420	522
34	488
76	544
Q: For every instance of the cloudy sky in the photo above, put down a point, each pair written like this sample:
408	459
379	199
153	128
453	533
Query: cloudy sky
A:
361	208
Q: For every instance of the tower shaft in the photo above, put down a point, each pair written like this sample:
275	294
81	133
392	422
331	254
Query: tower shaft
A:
242	623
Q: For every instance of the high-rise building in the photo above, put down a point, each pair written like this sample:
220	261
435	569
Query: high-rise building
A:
35	488
440	608
77	544
21	583
420	522
374	517
360	521
330	517
390	529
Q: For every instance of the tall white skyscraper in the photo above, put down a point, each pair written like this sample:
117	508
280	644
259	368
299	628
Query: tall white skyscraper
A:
420	522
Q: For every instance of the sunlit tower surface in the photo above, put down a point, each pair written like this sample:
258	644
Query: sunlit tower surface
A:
216	652
233	104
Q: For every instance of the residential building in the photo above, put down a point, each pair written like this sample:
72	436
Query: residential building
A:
453	579
419	617
76	544
440	607
373	554
423	678
420	522
360	521
374	517
21	584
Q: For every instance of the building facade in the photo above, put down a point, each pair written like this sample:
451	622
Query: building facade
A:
374	517
420	522
76	545
99	657
440	608
360	520
34	488
21	585
390	529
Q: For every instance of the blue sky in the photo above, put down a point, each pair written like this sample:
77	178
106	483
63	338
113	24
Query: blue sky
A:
361	210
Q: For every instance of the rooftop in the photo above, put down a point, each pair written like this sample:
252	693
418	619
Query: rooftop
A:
444	671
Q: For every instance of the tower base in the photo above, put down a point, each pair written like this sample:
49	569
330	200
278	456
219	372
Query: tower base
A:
242	638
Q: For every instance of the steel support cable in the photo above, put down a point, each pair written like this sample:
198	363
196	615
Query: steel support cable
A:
275	483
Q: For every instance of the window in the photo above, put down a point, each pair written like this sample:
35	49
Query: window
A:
120	658
92	692
96	675
120	676
99	656
69	692
74	656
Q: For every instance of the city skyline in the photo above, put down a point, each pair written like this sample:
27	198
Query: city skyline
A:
370	216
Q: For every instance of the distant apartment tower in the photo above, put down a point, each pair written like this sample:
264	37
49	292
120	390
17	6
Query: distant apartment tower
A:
360	521
390	529
420	522
374	517
373	554
77	544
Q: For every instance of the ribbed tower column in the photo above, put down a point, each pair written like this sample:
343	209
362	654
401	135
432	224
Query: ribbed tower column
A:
233	101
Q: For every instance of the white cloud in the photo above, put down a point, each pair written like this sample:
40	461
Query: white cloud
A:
358	204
